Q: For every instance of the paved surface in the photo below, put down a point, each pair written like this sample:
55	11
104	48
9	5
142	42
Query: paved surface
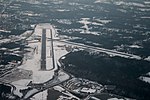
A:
111	52
43	50
52	46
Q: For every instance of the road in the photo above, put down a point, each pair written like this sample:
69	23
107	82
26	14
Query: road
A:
99	49
56	78
43	86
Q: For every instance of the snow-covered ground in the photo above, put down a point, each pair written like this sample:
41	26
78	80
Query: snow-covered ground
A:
58	88
102	1
13	38
20	84
135	46
32	60
115	99
63	76
110	52
68	95
40	96
30	92
4	31
148	58
4	41
64	21
35	55
148	74
85	29
145	79
94	98
88	90
62	10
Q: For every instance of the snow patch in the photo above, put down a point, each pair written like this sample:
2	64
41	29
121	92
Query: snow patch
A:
33	91
115	99
145	79
129	4
135	46
20	85
58	88
103	21
62	10
85	28
101	1
148	58
40	96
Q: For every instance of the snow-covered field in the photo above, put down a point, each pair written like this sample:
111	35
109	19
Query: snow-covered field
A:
35	55
115	99
40	96
32	60
148	58
145	79
110	52
68	95
85	29
101	1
